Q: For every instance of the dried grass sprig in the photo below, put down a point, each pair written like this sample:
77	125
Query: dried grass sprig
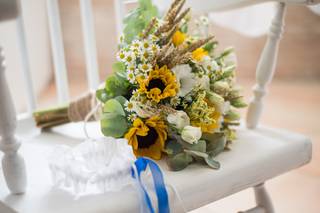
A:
148	29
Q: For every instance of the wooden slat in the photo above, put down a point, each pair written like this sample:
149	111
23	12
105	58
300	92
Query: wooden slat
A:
89	43
26	72
58	51
119	13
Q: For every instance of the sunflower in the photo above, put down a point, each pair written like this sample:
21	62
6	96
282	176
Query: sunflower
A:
147	138
160	84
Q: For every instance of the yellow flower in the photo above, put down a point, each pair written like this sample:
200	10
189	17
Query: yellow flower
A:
178	38
211	127
199	53
160	84
147	138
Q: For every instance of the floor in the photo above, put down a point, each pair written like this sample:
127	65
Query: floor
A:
292	105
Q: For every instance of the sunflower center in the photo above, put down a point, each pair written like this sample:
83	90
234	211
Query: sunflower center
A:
156	83
148	140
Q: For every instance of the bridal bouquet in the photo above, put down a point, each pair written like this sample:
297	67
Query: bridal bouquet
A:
171	93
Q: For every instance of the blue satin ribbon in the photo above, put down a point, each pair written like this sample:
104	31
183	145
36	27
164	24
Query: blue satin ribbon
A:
158	181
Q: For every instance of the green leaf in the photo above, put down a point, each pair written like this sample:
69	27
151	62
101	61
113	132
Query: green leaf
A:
232	115
114	107
210	46
179	161
238	103
200	146
212	163
184	28
116	86
102	95
215	143
119	68
137	20
113	125
173	147
196	153
122	100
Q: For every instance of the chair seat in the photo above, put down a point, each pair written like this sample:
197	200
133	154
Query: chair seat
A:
256	156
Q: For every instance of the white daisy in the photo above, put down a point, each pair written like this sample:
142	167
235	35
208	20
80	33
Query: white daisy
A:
155	48
132	117
129	106
130	58
131	77
146	44
121	55
145	68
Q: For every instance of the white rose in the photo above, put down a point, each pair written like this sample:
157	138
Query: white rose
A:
204	82
191	134
179	119
185	79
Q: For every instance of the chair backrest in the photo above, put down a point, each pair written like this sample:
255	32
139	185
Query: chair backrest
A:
267	61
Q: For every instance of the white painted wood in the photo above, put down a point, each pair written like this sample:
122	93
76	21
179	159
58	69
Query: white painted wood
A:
26	72
60	68
267	148
12	163
119	9
90	44
263	201
266	67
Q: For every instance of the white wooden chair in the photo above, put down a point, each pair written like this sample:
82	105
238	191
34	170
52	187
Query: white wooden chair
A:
259	154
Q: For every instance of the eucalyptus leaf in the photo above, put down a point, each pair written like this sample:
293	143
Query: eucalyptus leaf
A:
120	69
173	148
102	95
114	107
196	153
212	163
200	146
122	100
113	125
215	143
116	86
179	161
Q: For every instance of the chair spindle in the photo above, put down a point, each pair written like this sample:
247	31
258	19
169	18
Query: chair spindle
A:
12	163
266	67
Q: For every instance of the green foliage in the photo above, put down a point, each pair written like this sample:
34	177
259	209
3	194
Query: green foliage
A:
116	86
173	148
238	103
215	143
102	95
232	115
210	46
119	68
137	20
212	163
113	122
114	107
179	161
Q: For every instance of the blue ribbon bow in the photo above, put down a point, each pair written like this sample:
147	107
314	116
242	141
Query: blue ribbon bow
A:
158	181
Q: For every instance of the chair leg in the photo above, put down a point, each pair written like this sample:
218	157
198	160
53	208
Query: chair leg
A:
263	200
